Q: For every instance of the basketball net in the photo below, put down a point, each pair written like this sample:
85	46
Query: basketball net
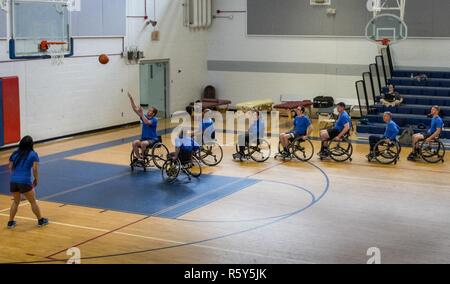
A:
56	51
4	5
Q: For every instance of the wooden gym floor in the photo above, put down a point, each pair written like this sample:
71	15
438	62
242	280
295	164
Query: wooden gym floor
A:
276	212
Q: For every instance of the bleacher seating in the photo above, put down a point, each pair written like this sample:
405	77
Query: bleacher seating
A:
445	83
413	73
418	98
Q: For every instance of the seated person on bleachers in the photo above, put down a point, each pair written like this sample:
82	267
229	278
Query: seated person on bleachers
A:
392	130
255	132
421	78
437	125
341	128
208	130
392	98
185	146
149	134
302	128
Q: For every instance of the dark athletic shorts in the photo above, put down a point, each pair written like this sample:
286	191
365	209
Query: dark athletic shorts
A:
295	136
19	187
333	133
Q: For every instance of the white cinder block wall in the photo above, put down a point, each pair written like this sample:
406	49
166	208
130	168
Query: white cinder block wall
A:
228	40
83	95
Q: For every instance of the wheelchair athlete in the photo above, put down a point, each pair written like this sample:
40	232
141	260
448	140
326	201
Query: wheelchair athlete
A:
337	133
302	128
255	132
390	134
437	125
185	146
149	134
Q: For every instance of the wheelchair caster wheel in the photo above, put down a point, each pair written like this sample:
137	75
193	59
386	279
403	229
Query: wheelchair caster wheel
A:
145	169
351	160
132	169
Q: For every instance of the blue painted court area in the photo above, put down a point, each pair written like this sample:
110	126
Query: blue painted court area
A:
110	187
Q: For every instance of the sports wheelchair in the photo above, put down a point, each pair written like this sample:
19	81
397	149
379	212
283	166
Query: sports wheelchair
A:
433	152
154	156
299	149
186	163
339	151
259	153
386	152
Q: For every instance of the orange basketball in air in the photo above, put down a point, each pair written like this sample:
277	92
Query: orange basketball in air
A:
103	59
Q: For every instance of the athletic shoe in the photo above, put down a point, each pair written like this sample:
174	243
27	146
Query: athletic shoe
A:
133	163
237	156
43	222
325	153
412	157
12	224
286	154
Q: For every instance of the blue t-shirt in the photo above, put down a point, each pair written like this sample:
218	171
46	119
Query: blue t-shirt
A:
22	172
301	124
343	119
208	125
392	130
436	123
149	131
186	144
257	128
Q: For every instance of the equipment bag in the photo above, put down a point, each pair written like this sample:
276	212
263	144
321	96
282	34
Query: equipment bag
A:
406	138
323	102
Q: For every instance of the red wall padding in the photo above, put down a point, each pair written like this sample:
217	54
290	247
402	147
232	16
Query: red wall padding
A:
11	109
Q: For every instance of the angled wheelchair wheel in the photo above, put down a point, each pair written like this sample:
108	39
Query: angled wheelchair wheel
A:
260	153
302	149
280	148
159	155
132	158
341	151
195	168
387	152
171	170
433	152
210	154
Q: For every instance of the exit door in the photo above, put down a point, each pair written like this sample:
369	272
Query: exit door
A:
153	86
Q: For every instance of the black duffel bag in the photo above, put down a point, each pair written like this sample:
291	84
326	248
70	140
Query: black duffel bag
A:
323	102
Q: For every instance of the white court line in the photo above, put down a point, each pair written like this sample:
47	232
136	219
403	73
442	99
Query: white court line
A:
166	240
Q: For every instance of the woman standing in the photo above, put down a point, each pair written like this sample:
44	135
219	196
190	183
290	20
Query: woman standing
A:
21	163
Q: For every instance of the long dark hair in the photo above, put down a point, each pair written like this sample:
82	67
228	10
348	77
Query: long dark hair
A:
25	147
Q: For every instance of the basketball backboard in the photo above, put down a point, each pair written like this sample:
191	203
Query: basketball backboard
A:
386	27
38	27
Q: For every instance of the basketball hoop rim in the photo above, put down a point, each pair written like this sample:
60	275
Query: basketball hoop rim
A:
384	41
45	45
